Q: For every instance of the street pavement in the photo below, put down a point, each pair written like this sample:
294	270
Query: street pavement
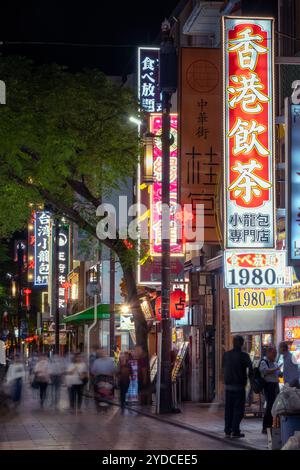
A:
33	428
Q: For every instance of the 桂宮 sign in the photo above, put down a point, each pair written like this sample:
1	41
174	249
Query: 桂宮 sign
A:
248	132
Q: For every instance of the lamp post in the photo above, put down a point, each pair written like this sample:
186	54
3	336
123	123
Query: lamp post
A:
168	85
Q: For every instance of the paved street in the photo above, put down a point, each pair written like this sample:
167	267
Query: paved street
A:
32	428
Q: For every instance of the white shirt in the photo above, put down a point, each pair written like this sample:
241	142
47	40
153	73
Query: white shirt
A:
15	371
42	371
2	353
74	373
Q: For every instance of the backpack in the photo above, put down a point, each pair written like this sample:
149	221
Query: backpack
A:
258	381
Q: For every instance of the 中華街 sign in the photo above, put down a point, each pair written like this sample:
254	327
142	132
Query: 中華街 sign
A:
248	132
256	269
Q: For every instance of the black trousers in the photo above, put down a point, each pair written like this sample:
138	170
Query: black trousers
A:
75	393
43	389
123	390
234	410
271	390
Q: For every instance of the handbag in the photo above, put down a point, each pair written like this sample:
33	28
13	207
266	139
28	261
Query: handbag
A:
35	384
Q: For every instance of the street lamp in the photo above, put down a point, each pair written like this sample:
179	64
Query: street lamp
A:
135	121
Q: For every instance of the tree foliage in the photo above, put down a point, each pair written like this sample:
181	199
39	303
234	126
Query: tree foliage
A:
64	140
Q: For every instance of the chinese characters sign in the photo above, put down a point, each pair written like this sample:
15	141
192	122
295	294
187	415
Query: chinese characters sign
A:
156	188
148	79
41	244
293	111
248	133
255	269
201	134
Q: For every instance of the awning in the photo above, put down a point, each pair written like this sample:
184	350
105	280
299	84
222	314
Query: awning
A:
88	314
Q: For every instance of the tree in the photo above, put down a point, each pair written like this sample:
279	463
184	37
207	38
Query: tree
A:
65	141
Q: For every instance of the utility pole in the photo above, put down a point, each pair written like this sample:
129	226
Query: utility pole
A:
111	304
20	259
55	284
168	85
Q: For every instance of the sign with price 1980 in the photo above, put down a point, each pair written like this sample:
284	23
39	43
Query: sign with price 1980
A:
256	269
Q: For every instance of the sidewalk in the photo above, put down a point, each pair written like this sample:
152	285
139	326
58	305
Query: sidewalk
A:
208	419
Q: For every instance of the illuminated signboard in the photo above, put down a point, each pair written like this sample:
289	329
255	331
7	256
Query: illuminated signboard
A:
291	328
251	299
41	248
30	248
248	132
156	188
256	269
63	267
293	182
148	79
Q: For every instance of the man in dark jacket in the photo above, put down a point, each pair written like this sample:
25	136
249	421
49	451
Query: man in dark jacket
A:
235	365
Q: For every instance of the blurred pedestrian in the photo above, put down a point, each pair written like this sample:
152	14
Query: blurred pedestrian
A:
57	369
14	379
143	375
291	372
2	360
124	374
235	365
76	378
42	376
103	371
270	371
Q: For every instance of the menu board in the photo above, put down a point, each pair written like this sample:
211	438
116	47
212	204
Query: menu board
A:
179	360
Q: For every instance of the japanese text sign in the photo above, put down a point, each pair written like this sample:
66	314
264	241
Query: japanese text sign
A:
255	269
156	188
293	183
248	132
291	328
63	267
41	248
201	134
148	79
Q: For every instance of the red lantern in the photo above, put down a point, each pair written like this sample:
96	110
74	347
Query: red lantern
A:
177	305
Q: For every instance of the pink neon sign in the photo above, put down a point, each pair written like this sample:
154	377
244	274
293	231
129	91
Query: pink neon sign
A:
155	195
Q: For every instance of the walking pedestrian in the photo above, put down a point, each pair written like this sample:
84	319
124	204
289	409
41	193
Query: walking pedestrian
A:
103	371
291	373
269	370
42	376
57	369
2	360
14	379
143	372
235	366
76	378
124	373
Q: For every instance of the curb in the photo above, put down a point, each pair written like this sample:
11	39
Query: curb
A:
188	427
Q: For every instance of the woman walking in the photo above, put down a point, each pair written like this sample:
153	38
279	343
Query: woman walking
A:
76	378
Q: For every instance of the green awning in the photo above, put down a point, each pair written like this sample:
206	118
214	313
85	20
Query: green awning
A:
88	314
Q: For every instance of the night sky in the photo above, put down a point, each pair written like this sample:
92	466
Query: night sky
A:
89	22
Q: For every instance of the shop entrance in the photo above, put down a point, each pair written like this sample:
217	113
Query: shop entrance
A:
256	344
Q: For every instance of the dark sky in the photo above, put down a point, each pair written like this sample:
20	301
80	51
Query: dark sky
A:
88	21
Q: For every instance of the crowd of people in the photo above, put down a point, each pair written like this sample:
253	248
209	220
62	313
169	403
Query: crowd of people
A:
101	375
238	370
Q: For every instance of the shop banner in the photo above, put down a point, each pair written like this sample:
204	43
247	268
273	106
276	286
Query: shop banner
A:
291	328
252	299
293	182
201	134
41	248
256	269
148	79
248	133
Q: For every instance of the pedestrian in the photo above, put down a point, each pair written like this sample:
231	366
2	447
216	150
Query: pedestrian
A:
57	369
103	371
235	366
76	378
14	379
143	375
291	372
2	360
124	374
42	376
269	370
